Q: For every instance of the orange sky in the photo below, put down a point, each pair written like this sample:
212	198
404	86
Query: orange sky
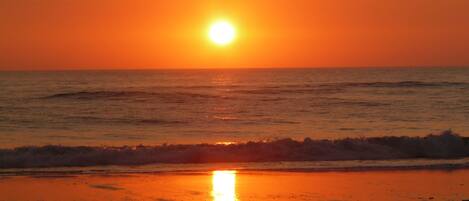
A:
116	34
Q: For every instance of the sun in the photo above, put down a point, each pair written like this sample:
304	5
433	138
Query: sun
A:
222	32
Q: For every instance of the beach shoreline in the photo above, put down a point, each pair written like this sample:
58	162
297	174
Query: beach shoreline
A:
279	166
242	185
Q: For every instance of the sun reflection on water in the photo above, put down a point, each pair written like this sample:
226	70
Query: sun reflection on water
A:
224	185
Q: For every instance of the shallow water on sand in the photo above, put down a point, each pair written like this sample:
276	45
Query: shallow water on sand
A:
194	106
226	185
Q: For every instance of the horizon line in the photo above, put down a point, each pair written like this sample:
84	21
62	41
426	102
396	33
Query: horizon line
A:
223	68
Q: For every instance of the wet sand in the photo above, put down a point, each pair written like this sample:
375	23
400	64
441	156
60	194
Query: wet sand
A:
242	186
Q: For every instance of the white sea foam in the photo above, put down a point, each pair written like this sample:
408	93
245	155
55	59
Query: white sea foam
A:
443	146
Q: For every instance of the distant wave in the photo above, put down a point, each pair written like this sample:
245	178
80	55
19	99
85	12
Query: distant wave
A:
405	84
443	146
328	88
92	119
88	95
408	83
274	89
96	94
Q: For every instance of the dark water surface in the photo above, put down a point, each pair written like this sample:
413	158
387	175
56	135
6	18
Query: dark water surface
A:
194	106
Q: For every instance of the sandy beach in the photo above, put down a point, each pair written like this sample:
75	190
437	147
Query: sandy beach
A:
225	185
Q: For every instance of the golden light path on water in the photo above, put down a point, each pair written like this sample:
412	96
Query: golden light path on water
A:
224	185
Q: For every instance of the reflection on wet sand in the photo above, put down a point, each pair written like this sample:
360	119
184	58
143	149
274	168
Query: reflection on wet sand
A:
241	185
224	185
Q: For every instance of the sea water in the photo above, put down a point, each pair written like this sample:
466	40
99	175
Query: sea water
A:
151	107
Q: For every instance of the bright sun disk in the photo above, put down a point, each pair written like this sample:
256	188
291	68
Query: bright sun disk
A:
222	33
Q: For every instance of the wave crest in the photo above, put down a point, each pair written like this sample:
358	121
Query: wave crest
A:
325	88
90	95
328	88
444	145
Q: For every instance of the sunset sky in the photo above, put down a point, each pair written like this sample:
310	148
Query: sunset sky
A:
124	34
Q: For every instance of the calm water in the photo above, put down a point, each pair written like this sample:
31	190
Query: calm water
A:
194	106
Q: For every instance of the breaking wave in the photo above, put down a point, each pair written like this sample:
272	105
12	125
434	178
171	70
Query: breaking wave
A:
442	146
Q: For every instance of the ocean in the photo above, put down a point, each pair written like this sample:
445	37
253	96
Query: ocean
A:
151	107
96	118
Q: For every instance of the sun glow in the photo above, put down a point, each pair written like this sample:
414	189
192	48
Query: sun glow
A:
224	185
222	33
